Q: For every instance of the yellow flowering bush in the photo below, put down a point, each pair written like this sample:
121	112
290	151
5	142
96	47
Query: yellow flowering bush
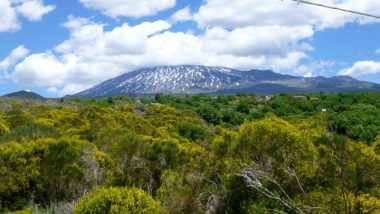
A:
117	201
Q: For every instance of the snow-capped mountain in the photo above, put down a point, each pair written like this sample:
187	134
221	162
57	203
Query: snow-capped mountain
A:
190	79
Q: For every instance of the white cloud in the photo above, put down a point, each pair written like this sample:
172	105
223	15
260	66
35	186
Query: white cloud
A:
93	54
256	40
314	68
362	68
8	17
129	8
378	51
40	70
33	10
226	13
182	15
17	54
89	38
52	90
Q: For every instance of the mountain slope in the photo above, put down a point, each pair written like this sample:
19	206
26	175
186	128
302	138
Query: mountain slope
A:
24	95
189	79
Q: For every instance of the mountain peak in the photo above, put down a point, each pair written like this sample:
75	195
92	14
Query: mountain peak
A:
190	79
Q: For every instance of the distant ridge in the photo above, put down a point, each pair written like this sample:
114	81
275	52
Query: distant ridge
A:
190	79
25	95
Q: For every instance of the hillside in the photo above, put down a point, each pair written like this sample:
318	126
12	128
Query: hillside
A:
24	95
192	79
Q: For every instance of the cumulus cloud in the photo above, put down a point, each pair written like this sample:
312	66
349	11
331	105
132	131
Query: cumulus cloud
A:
8	17
182	15
89	38
378	51
17	54
256	40
226	13
362	68
314	68
40	70
33	10
129	8
93	54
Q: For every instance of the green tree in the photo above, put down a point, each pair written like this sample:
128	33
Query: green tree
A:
243	107
280	142
4	128
232	117
191	131
49	170
210	115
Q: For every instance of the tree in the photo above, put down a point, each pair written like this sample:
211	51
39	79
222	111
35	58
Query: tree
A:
191	131
17	117
232	117
128	152
4	128
49	170
276	159
210	115
279	142
117	201
243	107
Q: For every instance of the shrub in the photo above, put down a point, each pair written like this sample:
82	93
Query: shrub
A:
54	170
3	127
232	117
191	132
210	115
117	201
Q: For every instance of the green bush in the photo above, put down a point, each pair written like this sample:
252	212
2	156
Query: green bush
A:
46	168
210	115
232	117
191	132
3	127
117	201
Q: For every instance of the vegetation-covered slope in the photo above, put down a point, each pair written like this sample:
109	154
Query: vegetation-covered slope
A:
24	95
316	153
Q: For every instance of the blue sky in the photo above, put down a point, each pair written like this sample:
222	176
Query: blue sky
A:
62	47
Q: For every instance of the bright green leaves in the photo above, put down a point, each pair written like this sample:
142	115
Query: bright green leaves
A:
192	132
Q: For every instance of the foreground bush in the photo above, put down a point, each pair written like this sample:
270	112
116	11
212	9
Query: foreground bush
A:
49	170
117	201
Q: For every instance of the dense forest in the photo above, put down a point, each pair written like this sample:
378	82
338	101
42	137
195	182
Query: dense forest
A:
313	153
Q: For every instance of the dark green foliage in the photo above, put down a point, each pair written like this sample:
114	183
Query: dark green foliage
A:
232	117
192	132
243	107
210	115
359	122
